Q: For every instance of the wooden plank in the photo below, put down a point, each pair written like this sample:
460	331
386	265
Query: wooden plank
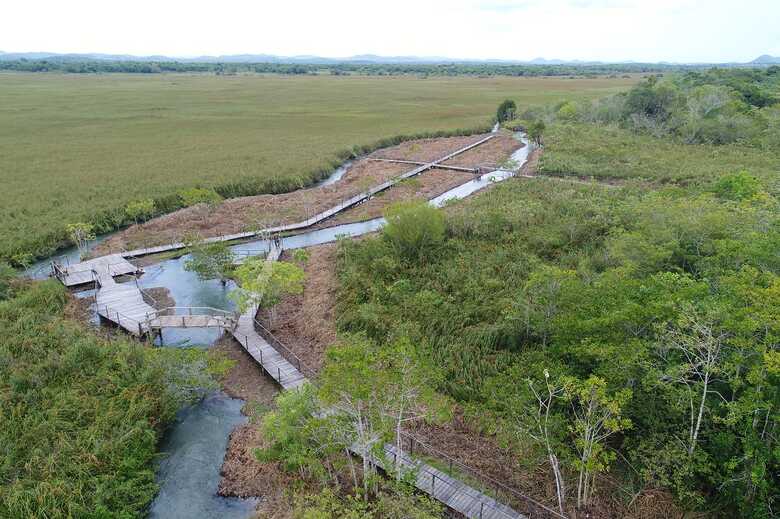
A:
318	217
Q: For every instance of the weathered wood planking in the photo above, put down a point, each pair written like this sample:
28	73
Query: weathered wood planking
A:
316	218
123	304
190	321
437	166
82	273
442	487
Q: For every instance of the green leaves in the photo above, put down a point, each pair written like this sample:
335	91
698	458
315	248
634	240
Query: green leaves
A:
414	229
263	283
210	260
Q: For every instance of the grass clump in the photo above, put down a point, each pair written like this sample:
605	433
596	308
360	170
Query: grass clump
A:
81	416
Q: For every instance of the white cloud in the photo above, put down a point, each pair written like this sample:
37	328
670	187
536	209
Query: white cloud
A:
674	30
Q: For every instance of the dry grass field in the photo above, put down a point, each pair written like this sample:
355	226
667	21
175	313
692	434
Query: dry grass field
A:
80	147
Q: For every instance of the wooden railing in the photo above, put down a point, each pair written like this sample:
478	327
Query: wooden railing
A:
456	469
284	351
487	485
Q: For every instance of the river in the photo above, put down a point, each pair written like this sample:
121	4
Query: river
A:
194	446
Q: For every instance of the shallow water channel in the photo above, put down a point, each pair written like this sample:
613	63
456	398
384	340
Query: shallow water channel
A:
194	447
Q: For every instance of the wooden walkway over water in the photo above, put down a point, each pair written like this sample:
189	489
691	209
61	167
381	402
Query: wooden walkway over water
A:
125	305
121	303
112	265
317	218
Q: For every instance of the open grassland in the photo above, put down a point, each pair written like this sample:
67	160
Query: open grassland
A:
76	148
608	152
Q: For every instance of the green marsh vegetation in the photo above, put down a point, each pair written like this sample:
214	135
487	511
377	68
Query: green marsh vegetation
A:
97	148
622	339
82	414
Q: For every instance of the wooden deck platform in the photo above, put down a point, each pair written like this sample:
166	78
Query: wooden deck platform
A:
85	272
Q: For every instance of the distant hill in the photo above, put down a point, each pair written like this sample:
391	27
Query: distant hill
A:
766	59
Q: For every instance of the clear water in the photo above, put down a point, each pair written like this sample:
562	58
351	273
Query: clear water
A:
187	290
194	449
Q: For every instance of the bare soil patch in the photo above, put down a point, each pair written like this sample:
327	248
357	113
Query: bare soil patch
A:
426	150
426	186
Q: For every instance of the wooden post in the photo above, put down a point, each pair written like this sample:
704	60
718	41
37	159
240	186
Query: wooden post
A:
433	485
279	374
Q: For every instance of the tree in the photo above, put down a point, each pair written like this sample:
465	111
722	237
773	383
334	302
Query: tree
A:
415	229
567	111
379	390
542	301
212	260
80	234
295	436
506	111
535	131
349	385
540	431
262	284
738	186
534	411
596	417
694	348
410	380
140	210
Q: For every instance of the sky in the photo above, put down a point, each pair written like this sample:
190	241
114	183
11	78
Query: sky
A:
606	30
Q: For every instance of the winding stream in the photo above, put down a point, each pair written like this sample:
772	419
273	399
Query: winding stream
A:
195	445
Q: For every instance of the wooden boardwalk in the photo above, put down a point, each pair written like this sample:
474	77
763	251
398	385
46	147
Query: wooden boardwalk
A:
446	489
84	272
317	218
272	361
453	493
159	322
122	304
437	166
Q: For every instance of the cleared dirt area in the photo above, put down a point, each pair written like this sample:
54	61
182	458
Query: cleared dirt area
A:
490	154
249	213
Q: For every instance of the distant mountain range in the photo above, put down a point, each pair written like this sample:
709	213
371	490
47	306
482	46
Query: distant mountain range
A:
766	59
306	59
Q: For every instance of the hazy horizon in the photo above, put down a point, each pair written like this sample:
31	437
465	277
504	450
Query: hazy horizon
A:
680	31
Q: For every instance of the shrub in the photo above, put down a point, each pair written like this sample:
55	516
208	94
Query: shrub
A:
506	111
739	186
198	195
414	229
